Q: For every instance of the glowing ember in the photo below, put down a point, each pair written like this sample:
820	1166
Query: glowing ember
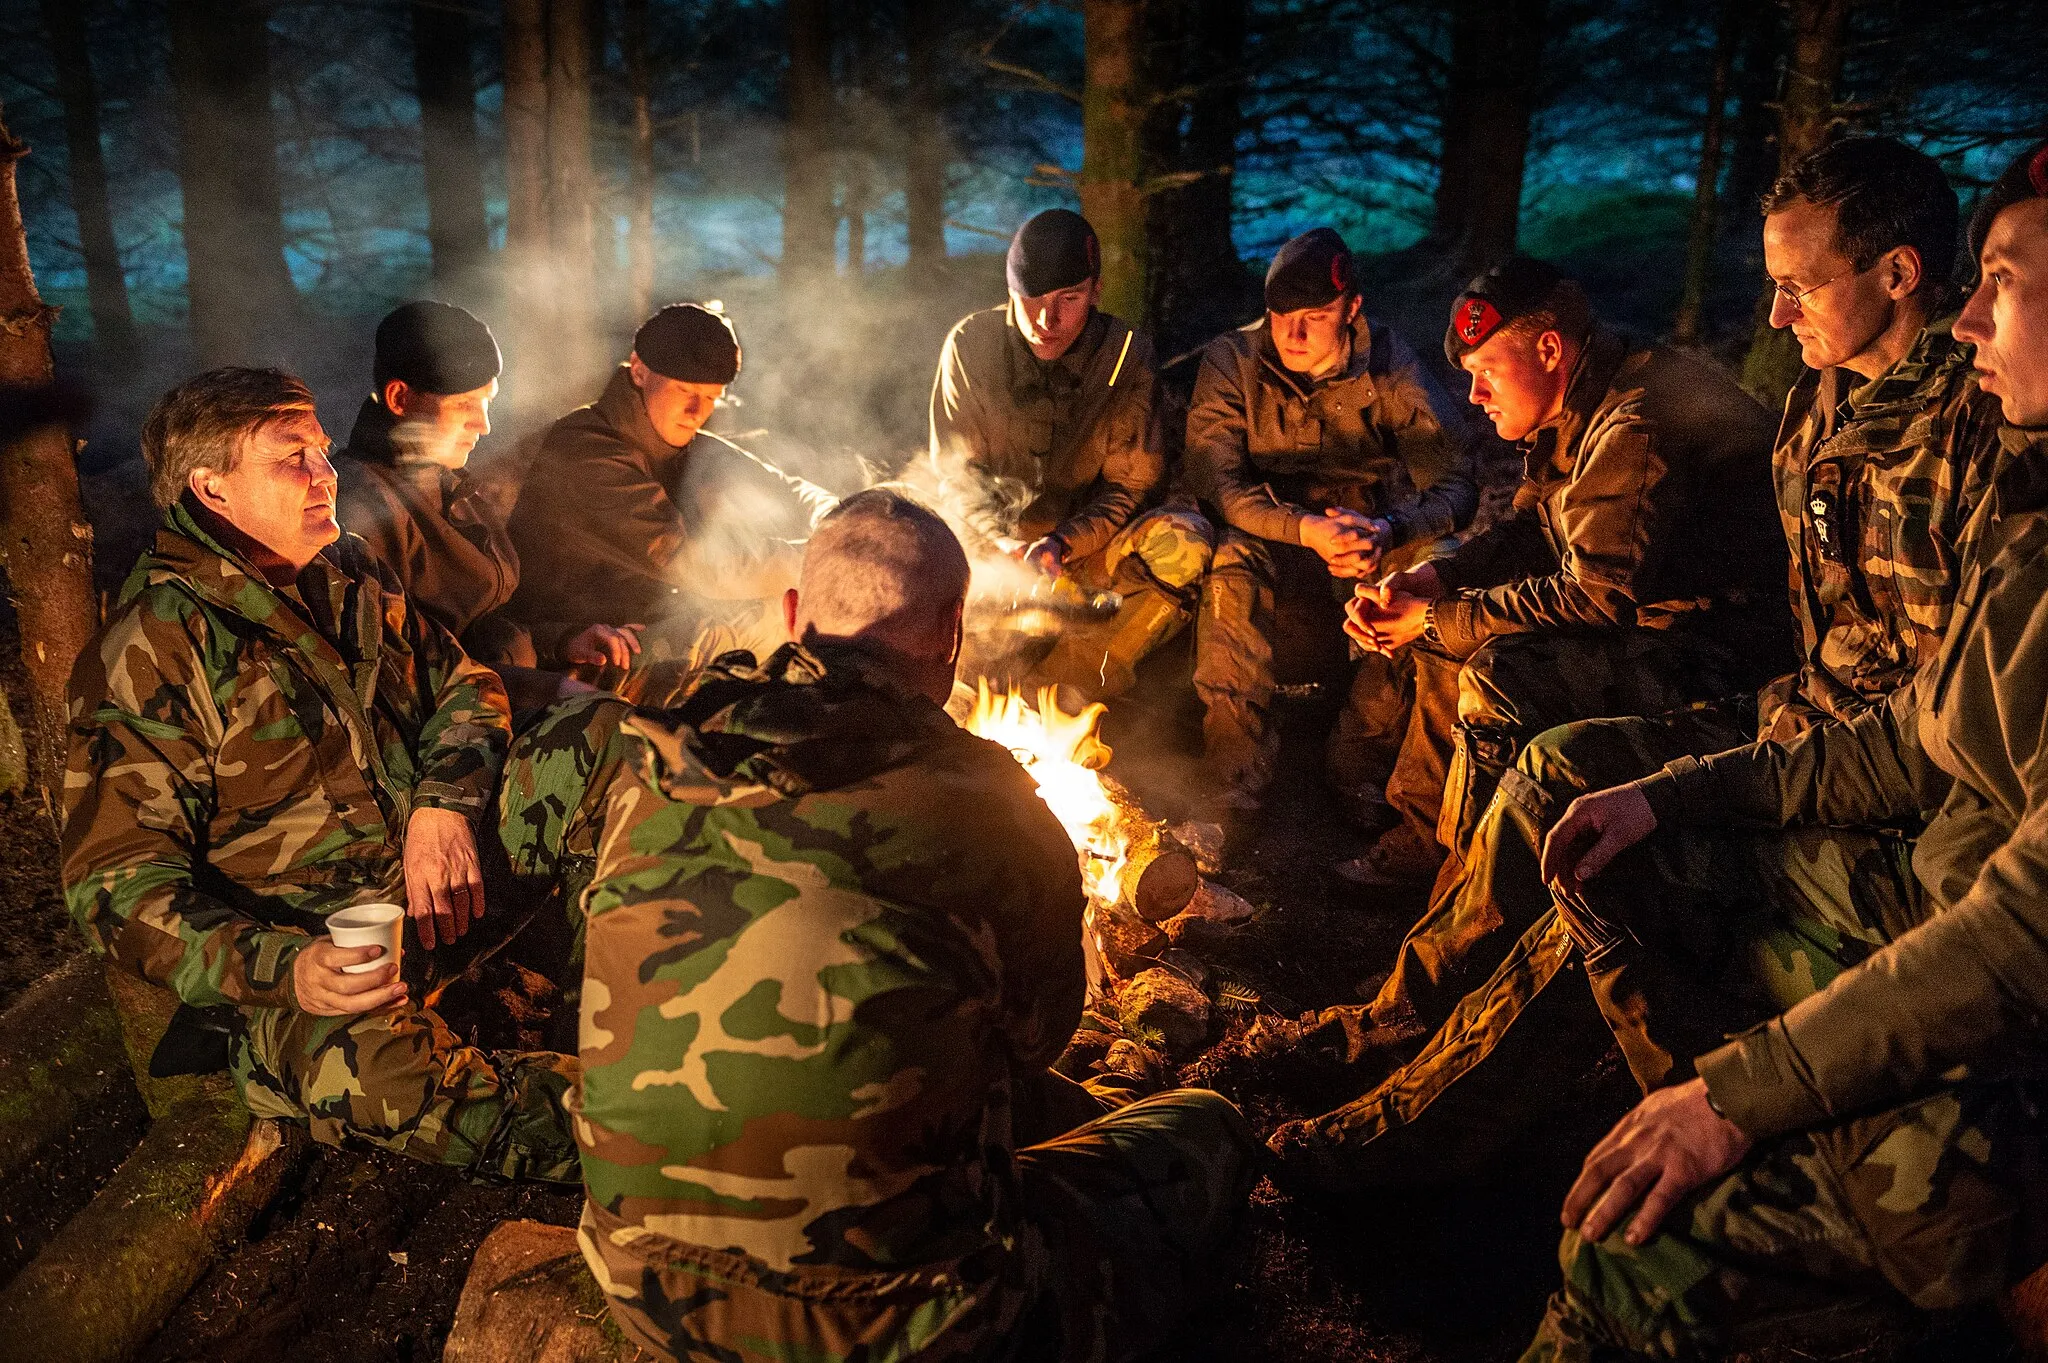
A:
1062	753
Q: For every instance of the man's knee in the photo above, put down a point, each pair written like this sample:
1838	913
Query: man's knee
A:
1176	545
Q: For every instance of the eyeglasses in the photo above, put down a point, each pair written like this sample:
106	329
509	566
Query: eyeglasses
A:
1798	299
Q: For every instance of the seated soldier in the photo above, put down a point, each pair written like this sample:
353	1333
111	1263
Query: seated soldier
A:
442	535
1641	567
1877	1146
1886	437
627	519
1042	414
834	943
1325	447
264	732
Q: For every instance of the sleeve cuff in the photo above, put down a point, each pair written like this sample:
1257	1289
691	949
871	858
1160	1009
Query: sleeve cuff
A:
1682	793
443	795
1459	630
1755	1082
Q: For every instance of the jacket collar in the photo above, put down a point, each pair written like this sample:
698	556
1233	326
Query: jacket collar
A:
625	412
1925	368
369	444
813	717
2022	483
1592	376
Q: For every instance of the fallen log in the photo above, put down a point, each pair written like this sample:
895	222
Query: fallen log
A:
1159	875
69	1113
108	1279
529	1299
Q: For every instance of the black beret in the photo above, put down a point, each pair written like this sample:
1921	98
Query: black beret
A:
1053	250
435	348
689	342
1517	287
2026	178
1311	271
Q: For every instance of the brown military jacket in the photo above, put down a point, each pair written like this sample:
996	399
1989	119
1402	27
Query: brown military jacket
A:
1647	502
1968	987
1876	480
1268	446
1068	447
439	533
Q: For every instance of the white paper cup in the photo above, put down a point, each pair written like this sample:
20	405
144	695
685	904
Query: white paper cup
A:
369	925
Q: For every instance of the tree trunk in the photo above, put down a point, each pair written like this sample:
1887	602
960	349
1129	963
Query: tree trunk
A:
113	325
810	218
640	208
241	292
1699	246
572	194
859	118
1114	105
456	228
1496	51
45	543
1199	286
1806	113
529	302
924	171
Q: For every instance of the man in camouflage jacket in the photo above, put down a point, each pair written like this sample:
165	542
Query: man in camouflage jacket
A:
1876	1145
264	732
834	943
1891	406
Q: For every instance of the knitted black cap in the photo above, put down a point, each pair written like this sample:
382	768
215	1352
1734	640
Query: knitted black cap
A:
1311	271
2026	178
689	342
1053	250
1516	287
434	348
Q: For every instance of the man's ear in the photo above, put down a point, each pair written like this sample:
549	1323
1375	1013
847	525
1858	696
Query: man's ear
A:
637	369
1352	310
959	632
789	615
397	396
1550	351
1901	271
205	485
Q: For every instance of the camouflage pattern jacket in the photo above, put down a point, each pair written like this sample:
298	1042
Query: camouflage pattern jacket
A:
1875	484
1647	502
1969	986
1071	447
1268	446
243	758
827	927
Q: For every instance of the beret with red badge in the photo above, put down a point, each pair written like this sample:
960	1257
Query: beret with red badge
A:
1515	288
1311	271
2026	178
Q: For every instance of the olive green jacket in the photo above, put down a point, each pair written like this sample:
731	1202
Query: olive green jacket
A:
1969	741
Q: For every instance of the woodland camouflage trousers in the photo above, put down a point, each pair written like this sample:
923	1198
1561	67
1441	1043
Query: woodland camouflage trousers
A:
1118	1224
1821	1237
1687	938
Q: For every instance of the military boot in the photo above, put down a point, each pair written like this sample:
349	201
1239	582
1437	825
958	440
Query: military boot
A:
1100	660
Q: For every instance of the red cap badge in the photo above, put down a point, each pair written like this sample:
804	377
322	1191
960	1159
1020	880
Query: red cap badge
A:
2037	172
1475	321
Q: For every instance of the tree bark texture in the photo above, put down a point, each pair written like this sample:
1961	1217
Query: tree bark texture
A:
550	260
45	542
1489	99
442	72
924	170
640	178
810	215
1819	31
106	286
1198	284
1114	107
1699	247
240	289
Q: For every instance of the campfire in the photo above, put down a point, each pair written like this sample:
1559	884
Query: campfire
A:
1130	864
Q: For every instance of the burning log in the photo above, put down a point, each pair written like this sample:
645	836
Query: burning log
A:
1159	876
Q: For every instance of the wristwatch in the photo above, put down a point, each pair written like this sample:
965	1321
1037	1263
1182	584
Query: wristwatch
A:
1429	633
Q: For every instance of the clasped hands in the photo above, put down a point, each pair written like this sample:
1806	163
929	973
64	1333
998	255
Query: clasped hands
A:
444	893
1392	613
